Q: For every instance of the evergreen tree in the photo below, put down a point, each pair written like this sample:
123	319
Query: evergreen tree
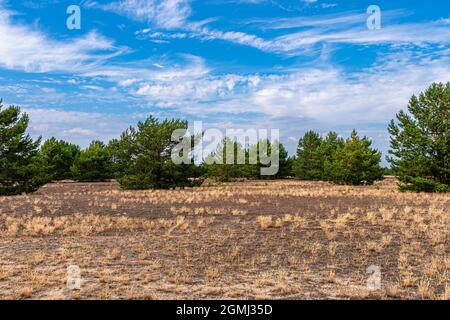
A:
284	161
56	157
225	165
420	141
117	155
327	150
144	155
93	165
355	162
18	172
309	165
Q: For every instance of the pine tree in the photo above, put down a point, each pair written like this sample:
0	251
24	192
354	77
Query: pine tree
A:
309	165
355	162
265	147
18	172
144	155
225	165
93	165
327	150
118	158
56	157
286	163
420	141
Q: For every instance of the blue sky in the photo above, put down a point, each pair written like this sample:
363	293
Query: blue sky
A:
293	65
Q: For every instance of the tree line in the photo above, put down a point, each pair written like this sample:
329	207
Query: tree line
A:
141	157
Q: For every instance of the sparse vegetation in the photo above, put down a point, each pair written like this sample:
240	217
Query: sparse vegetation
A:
257	238
260	239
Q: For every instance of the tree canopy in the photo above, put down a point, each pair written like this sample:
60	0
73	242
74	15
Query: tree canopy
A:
420	141
144	156
17	153
56	157
334	159
94	164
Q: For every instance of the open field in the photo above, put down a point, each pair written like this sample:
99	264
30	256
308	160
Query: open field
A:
263	240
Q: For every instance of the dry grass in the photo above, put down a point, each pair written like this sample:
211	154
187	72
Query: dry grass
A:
269	240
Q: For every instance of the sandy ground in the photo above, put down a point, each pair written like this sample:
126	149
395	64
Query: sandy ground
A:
249	240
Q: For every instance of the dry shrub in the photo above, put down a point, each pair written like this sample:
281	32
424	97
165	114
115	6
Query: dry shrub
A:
84	225
264	222
424	290
26	293
393	291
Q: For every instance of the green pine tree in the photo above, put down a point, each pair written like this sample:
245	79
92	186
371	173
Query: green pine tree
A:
327	150
284	161
56	157
420	141
18	172
225	165
354	162
94	164
309	165
144	155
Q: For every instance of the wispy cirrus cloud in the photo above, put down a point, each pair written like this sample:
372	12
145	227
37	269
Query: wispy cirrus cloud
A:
167	14
300	35
24	48
425	33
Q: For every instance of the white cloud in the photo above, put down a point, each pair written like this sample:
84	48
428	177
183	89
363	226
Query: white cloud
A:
328	5
79	132
334	21
166	14
77	127
327	95
234	37
348	28
434	33
26	49
315	32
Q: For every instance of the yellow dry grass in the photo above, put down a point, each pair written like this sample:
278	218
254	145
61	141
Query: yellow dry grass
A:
271	240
